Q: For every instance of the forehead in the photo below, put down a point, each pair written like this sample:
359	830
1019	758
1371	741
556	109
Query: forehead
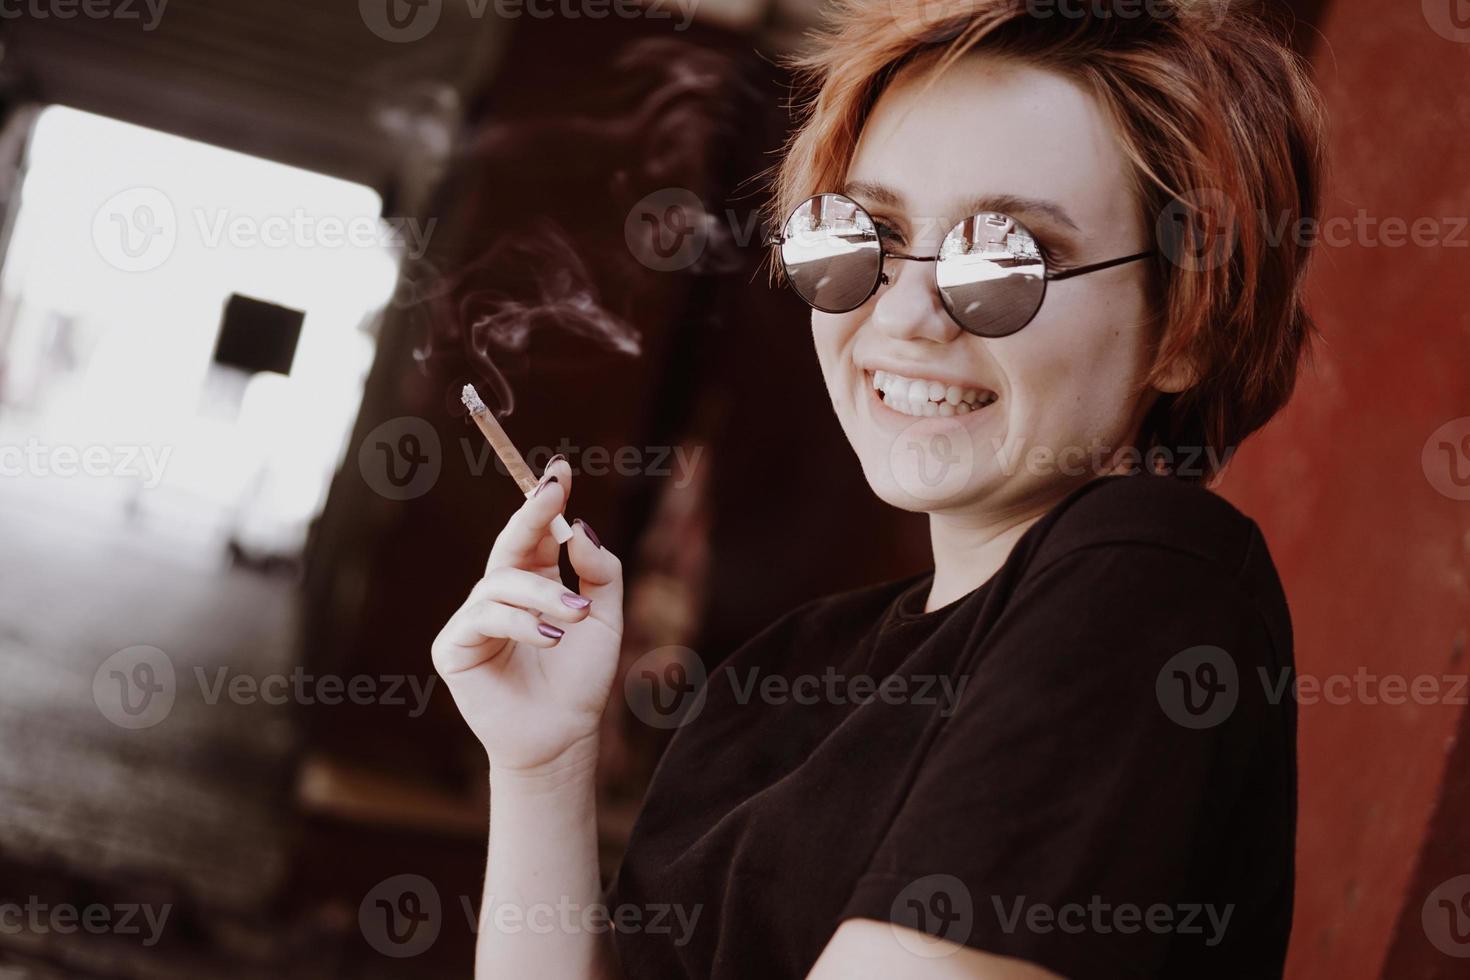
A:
991	128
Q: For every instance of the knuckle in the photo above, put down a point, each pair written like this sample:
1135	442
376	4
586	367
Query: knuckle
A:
439	653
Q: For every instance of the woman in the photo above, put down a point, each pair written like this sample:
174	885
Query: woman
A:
1045	313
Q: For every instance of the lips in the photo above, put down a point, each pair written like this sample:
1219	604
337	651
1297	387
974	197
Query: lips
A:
927	397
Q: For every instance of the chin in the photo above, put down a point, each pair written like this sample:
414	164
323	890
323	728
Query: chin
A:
928	472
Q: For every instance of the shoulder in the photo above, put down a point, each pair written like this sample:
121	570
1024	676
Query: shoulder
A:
1153	559
1152	512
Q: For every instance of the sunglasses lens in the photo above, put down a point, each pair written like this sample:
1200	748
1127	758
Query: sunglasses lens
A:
991	275
831	252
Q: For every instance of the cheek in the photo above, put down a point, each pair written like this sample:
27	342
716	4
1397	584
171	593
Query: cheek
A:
1079	375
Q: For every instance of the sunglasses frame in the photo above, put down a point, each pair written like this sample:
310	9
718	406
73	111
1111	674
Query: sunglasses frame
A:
882	279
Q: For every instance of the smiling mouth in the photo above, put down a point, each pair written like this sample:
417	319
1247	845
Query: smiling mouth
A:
925	398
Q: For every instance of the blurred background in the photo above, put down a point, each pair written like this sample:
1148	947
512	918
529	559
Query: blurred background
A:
251	251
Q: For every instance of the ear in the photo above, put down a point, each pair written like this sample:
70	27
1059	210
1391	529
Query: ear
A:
1175	375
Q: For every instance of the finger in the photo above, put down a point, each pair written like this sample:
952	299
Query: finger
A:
599	573
468	639
522	542
546	597
558	467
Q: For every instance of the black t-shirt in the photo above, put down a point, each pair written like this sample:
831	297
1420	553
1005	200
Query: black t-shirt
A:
1088	763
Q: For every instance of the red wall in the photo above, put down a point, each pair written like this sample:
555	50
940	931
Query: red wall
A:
1375	559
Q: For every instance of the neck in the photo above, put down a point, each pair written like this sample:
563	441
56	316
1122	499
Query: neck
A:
970	548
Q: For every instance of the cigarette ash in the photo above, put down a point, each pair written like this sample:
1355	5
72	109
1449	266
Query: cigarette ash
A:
472	401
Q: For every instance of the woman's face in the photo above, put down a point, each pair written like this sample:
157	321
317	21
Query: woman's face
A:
1071	380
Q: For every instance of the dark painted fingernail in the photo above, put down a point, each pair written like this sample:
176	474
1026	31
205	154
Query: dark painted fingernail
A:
575	601
587	529
549	631
542	485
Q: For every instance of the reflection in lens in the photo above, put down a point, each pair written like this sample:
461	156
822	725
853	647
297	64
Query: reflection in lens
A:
831	253
991	274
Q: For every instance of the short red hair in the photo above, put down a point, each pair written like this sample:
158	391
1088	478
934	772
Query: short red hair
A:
1222	123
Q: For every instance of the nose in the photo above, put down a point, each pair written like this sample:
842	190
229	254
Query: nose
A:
908	306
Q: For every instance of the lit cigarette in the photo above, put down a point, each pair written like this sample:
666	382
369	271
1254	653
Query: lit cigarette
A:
508	454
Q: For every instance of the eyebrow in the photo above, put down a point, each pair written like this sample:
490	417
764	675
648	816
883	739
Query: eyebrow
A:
1011	204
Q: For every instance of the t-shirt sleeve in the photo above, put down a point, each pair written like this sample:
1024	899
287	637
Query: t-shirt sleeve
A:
1105	732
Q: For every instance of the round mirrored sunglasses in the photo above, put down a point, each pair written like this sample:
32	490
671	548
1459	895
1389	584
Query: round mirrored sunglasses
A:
989	271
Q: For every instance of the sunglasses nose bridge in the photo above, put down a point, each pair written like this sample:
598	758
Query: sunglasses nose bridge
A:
911	311
884	279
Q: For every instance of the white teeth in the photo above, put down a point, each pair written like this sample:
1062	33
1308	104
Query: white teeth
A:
927	399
